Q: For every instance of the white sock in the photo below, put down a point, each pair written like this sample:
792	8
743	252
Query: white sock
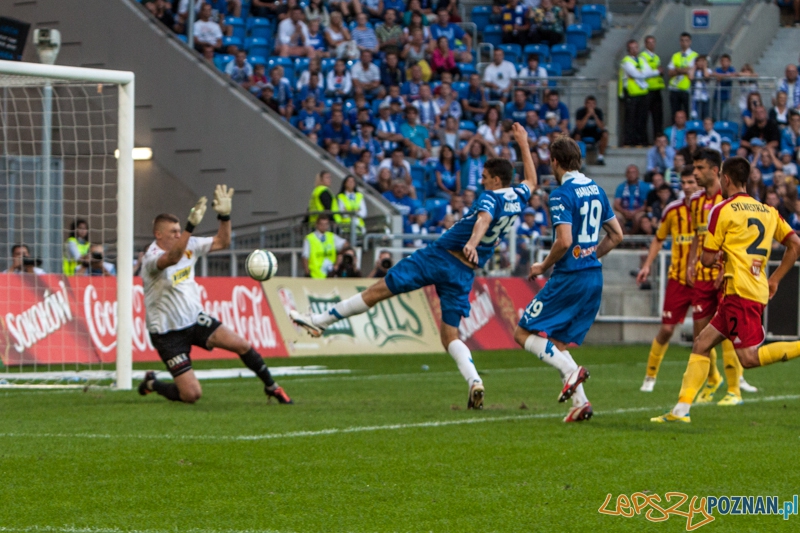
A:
352	306
681	409
463	358
578	397
547	352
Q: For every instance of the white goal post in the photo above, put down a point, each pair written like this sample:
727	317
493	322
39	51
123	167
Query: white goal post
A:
19	74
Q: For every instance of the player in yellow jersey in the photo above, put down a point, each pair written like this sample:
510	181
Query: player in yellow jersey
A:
742	229
706	281
676	222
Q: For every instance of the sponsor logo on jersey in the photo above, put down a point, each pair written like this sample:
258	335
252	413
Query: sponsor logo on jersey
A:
579	252
181	275
755	268
702	228
666	314
684	239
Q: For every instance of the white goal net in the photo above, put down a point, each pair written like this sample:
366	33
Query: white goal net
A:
66	226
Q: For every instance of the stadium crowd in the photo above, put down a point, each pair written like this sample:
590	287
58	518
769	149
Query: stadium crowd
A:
390	90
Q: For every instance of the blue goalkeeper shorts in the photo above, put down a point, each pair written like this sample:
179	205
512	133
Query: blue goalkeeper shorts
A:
438	267
566	307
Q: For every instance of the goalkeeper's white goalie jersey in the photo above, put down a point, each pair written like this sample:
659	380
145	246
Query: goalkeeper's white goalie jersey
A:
171	296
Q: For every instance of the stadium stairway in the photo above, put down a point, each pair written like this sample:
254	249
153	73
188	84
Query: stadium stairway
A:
599	64
783	51
612	173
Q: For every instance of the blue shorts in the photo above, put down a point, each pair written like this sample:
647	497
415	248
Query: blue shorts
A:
438	267
566	307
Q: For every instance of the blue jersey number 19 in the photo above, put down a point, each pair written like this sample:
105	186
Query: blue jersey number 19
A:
590	228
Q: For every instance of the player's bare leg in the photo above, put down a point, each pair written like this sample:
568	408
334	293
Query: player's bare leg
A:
463	358
315	324
555	353
657	351
228	339
184	388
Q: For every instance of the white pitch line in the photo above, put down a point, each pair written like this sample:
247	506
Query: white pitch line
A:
352	429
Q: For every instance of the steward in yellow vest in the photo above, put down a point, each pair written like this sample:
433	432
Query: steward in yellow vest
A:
632	86
655	85
320	249
680	85
349	199
75	247
321	197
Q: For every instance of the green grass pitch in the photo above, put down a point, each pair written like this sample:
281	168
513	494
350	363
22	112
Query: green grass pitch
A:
391	448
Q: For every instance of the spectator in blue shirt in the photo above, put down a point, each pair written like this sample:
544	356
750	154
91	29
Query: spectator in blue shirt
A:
388	131
515	23
398	197
240	70
416	137
554	105
316	39
473	101
391	73
282	91
676	134
448	178
460	42
660	156
365	140
314	88
534	126
518	109
363	35
336	132
410	89
308	120
722	97
397	5
373	8
790	137
629	200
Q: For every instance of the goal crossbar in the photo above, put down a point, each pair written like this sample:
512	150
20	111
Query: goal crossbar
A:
125	82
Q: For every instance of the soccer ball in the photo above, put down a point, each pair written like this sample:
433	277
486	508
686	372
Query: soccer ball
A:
261	265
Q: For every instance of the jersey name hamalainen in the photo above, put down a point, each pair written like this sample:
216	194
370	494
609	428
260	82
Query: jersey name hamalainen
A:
505	205
677	222
171	296
580	202
744	228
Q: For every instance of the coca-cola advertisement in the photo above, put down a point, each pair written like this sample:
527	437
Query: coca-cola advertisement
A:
496	306
57	319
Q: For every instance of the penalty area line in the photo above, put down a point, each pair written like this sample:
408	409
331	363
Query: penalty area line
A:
352	429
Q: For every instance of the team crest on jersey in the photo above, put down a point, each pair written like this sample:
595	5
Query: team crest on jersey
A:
576	252
755	268
188	254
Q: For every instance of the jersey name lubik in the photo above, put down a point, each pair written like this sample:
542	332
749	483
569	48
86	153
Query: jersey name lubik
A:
580	202
504	205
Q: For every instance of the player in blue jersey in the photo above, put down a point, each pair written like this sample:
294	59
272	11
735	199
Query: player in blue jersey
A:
564	310
449	264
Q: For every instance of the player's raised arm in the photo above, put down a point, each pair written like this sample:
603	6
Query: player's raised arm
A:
612	238
175	253
222	204
521	136
478	232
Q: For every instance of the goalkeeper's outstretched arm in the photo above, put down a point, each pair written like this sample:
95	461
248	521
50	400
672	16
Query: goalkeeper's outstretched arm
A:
222	204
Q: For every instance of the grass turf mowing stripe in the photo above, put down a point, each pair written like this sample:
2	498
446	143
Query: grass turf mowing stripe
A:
356	429
74	529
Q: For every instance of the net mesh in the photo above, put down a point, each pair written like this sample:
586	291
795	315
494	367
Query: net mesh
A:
57	165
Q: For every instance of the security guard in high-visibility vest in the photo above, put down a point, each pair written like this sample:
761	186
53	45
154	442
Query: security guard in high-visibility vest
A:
350	200
321	197
321	249
680	85
633	73
76	247
655	85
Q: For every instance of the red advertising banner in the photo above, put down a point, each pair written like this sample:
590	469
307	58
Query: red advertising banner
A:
54	319
496	306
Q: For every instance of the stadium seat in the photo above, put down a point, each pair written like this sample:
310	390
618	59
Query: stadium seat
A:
542	49
563	54
460	87
481	15
593	16
513	52
468	125
300	65
257	46
577	36
553	69
327	64
259	27
582	146
182	37
286	63
694	125
466	69
236	41
418	178
222	60
349	105
237	23
728	129
432	205
493	34
257	60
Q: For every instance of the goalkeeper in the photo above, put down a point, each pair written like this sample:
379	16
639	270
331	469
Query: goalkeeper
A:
175	318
